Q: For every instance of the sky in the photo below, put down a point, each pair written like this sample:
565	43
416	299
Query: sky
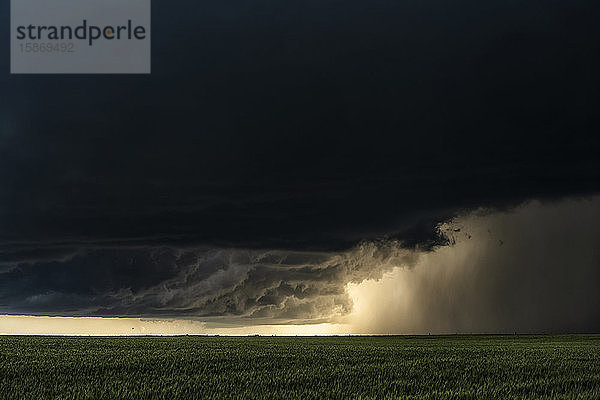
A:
311	167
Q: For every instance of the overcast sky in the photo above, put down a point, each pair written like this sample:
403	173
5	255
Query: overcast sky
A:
282	150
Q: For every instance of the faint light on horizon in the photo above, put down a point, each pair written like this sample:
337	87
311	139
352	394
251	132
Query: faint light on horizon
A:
98	326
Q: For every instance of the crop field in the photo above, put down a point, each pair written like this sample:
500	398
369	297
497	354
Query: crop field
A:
436	367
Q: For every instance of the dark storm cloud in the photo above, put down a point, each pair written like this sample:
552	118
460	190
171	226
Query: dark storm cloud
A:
307	124
165	282
531	269
302	125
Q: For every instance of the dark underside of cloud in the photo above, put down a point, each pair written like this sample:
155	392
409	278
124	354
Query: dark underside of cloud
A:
300	127
192	283
532	269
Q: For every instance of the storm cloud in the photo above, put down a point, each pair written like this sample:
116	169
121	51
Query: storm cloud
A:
533	268
163	282
281	150
307	125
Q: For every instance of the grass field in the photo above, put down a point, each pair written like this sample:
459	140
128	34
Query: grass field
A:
437	367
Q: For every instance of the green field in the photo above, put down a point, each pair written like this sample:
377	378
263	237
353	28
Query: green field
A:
436	367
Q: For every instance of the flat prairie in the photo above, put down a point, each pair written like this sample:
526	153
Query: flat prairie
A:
340	367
